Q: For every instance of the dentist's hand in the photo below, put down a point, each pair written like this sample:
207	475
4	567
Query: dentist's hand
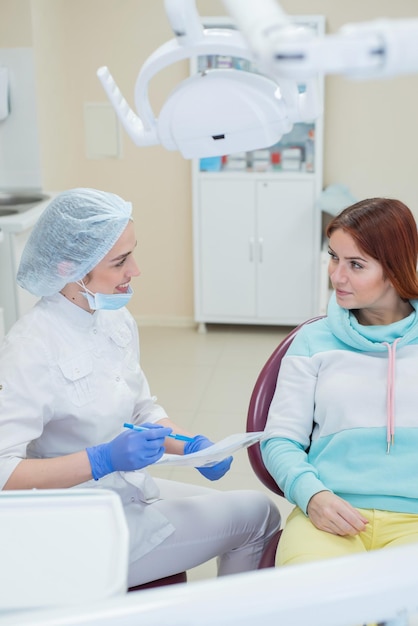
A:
215	472
131	450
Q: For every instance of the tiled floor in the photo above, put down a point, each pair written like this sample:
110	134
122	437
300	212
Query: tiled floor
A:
204	381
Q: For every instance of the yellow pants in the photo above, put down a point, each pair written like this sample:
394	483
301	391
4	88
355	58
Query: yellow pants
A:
301	541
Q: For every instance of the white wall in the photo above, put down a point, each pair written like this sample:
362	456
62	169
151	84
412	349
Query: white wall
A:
371	129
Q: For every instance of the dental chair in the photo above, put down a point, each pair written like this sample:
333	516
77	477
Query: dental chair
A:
174	579
258	409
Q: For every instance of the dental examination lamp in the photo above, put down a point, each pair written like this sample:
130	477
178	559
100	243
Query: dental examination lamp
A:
222	111
215	112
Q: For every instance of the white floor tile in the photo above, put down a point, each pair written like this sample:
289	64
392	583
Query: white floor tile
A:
178	387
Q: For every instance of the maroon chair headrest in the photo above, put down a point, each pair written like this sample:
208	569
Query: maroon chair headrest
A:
259	406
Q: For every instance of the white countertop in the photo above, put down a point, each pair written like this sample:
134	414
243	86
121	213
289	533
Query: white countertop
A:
18	222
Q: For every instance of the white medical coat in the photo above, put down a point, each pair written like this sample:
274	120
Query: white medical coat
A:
69	380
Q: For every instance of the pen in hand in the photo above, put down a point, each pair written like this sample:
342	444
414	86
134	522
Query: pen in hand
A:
172	435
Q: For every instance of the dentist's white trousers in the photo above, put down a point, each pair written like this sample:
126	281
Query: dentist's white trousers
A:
234	526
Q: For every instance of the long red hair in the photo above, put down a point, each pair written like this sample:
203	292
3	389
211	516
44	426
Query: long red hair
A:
386	230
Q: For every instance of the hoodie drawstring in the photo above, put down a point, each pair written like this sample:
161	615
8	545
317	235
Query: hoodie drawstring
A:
390	426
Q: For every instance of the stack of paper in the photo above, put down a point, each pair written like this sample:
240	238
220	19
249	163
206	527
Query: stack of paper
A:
214	454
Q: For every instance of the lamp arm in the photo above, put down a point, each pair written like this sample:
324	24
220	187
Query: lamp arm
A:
378	49
184	20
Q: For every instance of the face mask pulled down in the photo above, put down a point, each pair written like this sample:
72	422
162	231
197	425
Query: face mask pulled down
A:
105	301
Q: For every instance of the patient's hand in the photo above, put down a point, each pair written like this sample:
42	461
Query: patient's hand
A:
334	515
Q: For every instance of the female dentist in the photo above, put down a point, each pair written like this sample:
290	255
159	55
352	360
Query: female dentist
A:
70	378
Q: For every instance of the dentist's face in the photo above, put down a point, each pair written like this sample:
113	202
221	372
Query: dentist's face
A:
114	272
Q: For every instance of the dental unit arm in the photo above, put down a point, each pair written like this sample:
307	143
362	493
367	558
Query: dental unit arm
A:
221	111
378	49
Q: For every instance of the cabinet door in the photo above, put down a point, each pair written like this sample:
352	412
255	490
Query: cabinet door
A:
226	226
287	241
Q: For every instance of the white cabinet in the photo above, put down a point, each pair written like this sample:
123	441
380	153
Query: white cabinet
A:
256	229
257	245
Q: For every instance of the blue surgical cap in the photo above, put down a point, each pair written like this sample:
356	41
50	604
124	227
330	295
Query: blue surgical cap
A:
76	230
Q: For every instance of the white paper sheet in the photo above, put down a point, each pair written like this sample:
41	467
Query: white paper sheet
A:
219	451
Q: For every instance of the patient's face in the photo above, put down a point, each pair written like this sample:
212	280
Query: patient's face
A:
357	278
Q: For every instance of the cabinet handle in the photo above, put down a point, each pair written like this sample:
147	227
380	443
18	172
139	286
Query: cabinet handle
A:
260	249
251	249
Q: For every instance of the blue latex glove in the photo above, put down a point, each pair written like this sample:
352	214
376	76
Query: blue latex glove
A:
131	450
211	473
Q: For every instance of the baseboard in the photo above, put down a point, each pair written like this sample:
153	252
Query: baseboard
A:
172	322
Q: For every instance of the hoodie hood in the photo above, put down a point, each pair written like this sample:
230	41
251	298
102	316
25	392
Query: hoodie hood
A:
344	325
388	338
